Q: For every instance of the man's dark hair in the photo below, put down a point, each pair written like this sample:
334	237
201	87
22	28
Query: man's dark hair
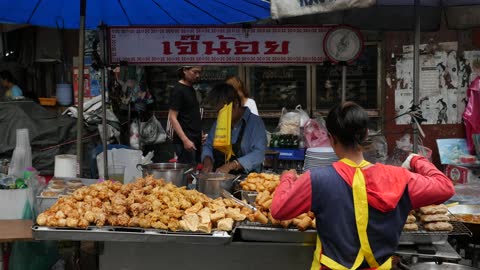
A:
223	93
180	70
7	75
348	122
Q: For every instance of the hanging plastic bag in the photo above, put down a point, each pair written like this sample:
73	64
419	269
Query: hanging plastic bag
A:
315	134
222	140
303	115
135	135
289	122
152	132
471	115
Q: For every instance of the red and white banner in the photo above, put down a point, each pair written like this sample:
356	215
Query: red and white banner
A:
217	45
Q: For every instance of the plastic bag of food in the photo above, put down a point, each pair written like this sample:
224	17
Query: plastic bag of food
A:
315	134
152	132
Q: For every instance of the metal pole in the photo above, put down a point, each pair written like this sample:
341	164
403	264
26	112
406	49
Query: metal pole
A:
104	104
344	82
81	48
416	71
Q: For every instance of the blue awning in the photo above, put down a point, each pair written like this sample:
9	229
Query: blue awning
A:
50	13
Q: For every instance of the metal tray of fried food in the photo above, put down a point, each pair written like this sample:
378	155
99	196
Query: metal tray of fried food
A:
433	237
129	234
257	232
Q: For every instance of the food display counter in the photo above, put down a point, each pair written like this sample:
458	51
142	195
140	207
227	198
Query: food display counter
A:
254	241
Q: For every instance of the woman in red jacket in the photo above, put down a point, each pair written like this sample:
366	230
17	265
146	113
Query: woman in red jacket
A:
360	208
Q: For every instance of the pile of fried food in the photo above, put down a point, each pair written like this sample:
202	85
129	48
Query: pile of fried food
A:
146	203
265	184
260	182
432	218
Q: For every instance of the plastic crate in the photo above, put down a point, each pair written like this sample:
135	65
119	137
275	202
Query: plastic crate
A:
290	153
47	101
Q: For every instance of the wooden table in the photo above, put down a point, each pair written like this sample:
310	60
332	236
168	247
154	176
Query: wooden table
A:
16	229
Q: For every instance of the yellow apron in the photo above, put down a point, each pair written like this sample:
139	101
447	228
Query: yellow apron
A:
360	204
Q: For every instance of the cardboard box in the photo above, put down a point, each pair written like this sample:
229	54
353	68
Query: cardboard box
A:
458	174
92	83
86	84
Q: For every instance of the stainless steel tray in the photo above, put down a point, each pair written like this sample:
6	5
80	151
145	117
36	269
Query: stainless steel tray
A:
430	237
128	234
252	231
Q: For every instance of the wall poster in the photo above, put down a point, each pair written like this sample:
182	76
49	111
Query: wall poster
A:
444	78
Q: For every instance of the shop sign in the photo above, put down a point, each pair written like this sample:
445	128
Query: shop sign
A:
217	45
288	8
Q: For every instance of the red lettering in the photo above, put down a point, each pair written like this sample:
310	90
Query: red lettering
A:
166	48
187	47
246	47
272	47
223	49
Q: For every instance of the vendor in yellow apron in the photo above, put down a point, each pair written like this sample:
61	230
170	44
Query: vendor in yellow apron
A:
365	254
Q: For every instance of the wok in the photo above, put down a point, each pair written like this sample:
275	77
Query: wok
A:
468	209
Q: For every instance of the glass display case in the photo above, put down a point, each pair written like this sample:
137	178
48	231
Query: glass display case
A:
362	86
275	87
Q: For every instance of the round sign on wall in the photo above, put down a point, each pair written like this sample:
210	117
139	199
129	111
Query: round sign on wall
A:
343	44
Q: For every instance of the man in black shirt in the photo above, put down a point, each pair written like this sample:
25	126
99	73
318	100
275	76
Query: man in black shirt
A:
184	114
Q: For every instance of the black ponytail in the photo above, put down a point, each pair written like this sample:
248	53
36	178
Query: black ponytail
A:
348	122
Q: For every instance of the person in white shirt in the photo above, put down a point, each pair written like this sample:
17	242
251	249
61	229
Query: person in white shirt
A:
243	93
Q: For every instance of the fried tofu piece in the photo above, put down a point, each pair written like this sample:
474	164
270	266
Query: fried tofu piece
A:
225	224
204	215
205	227
192	221
194	209
217	216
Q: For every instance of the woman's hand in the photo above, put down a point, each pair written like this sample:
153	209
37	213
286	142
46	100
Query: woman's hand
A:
226	168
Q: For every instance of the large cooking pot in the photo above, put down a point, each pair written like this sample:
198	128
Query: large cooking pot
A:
211	184
176	173
435	266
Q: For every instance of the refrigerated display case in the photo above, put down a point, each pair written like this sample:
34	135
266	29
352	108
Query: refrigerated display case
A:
275	87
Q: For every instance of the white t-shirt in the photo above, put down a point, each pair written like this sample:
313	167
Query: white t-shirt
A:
251	105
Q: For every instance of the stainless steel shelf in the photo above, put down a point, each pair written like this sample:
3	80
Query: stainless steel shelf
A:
126	234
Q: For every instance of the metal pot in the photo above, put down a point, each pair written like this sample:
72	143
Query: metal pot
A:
211	184
435	266
170	172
